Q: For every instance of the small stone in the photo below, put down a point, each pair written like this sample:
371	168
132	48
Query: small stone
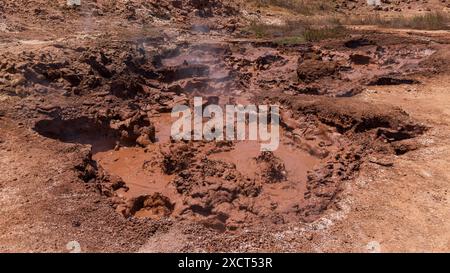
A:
143	140
72	3
425	174
76	223
20	80
373	247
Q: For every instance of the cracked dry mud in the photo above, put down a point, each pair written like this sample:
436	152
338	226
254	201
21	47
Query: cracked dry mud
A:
85	132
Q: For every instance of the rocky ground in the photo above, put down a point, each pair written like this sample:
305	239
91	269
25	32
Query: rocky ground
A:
85	100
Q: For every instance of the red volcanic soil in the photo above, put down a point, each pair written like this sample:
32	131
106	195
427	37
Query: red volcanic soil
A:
86	153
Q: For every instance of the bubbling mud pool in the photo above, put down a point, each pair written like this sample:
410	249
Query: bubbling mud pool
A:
224	185
221	184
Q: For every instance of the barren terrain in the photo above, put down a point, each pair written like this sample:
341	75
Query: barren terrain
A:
86	154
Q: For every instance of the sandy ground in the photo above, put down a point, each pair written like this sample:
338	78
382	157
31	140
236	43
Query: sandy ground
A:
404	207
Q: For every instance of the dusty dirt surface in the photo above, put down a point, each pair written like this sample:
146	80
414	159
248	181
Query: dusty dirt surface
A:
86	154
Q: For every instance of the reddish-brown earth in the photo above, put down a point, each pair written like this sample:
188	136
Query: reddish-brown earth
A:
85	101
